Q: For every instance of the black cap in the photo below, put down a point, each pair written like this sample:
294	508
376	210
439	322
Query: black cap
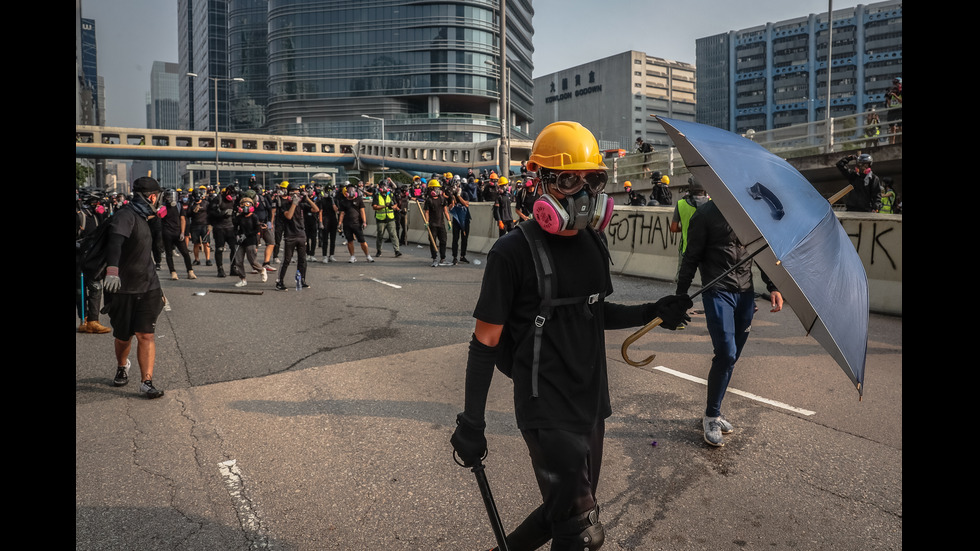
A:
146	184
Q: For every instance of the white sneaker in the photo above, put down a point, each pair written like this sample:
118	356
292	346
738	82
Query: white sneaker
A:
353	259
241	283
332	258
311	258
325	260
265	276
369	259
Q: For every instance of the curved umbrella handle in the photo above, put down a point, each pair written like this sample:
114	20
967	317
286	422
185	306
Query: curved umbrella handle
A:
759	191
632	338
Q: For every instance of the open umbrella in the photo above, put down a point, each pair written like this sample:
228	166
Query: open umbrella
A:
801	245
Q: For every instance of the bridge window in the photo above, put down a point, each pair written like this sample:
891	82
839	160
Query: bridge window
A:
161	140
328	148
249	144
466	156
486	154
270	146
84	137
136	140
289	146
205	142
228	143
309	148
346	149
183	141
425	154
455	154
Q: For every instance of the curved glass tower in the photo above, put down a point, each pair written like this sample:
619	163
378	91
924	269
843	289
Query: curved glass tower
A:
247	59
430	70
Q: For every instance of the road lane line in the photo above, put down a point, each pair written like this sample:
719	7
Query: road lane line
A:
748	395
386	283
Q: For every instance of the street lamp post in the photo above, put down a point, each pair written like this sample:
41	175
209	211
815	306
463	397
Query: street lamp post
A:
384	150
217	140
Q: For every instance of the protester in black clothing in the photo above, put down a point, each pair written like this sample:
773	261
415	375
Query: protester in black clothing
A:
88	291
133	295
220	211
247	230
503	212
173	229
561	394
401	214
328	221
436	214
294	233
353	220
866	195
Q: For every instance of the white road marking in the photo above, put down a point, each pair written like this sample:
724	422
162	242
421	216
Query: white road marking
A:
386	283
737	391
246	513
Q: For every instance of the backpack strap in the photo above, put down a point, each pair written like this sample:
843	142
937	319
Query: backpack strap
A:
544	269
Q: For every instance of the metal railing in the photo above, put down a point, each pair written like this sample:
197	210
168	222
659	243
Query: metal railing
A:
851	132
858	131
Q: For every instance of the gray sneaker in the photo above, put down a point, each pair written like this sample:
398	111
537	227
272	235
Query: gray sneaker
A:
122	374
726	427
151	391
712	431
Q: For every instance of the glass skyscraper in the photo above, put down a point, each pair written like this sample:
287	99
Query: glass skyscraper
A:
430	70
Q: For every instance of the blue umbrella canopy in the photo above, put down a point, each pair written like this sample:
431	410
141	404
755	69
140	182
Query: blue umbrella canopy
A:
804	249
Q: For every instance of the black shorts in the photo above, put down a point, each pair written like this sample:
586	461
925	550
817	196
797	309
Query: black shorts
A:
350	233
198	234
131	314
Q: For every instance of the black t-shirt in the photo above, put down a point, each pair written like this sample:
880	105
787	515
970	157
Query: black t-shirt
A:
197	213
352	210
434	210
573	389
295	227
137	272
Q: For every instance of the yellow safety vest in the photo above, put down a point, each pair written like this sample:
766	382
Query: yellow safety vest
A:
387	212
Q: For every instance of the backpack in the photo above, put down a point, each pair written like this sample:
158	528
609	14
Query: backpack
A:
544	269
90	252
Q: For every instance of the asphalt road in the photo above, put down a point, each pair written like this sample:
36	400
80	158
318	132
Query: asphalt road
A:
320	419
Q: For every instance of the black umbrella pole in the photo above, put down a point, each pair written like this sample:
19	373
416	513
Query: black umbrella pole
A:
738	265
498	527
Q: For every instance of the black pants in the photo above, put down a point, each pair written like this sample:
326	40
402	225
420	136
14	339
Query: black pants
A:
460	231
169	242
329	237
439	234
566	466
297	244
224	236
401	226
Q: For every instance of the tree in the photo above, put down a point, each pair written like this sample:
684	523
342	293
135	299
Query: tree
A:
82	174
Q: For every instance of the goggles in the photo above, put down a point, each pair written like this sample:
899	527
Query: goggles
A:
571	182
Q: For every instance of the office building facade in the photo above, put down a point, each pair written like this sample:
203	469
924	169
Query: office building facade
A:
775	75
162	112
430	70
615	97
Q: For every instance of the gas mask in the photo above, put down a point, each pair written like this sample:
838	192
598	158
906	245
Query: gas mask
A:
583	205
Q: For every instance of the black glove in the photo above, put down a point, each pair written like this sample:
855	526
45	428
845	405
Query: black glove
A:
469	440
672	310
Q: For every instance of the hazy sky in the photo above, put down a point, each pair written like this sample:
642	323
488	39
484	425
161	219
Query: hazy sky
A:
132	34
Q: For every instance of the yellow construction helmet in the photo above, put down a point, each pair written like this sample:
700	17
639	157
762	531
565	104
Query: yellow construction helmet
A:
284	184
565	145
665	179
434	183
503	181
627	184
